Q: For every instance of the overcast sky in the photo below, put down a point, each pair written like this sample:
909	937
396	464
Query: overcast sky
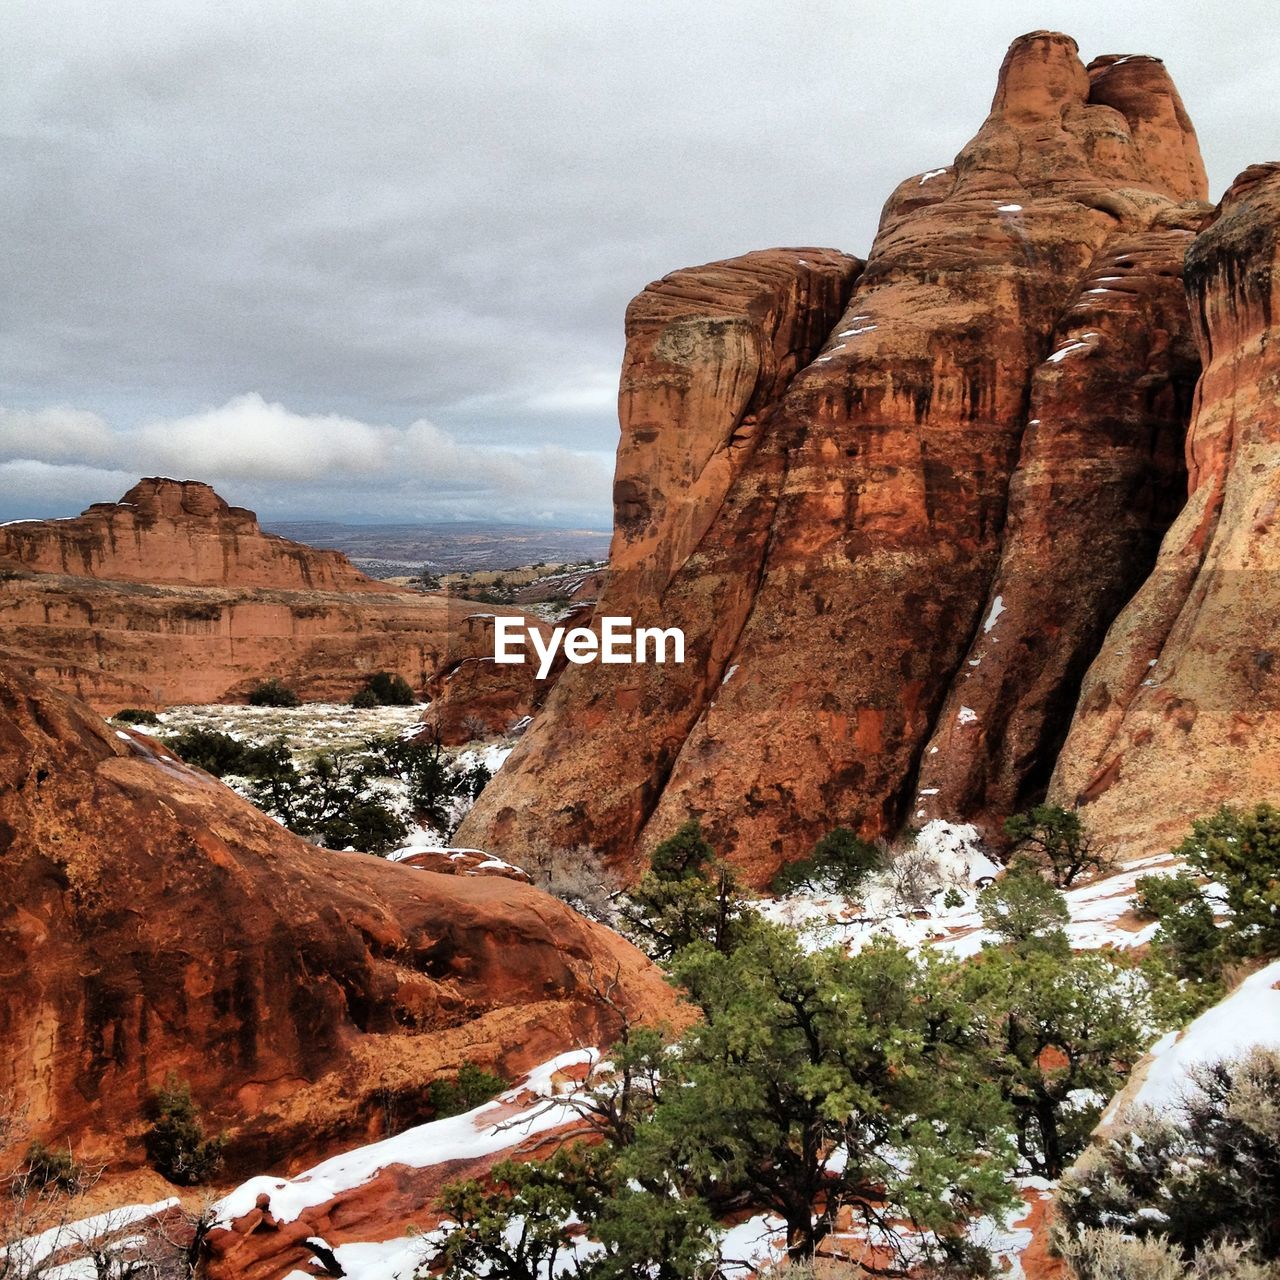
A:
368	260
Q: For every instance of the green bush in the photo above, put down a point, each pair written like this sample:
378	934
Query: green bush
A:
175	1141
1188	939
1057	841
46	1168
1240	851
330	803
390	689
1058	1034
272	693
687	896
1024	909
428	773
839	863
364	699
467	1090
220	754
135	715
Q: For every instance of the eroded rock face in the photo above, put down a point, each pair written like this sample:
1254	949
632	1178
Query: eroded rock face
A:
152	921
1099	480
171	596
831	585
709	351
1181	710
473	696
176	533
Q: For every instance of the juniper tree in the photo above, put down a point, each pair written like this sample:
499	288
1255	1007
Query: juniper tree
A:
1056	1029
816	1083
687	896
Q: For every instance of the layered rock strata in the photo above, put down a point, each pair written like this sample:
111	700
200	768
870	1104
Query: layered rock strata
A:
832	573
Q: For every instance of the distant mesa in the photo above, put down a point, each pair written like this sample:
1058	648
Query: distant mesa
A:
172	596
176	533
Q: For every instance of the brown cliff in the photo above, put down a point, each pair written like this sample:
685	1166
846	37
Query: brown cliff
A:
152	921
171	596
830	583
1099	480
176	533
1181	710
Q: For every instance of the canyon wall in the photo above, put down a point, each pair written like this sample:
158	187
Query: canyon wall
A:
831	565
171	596
1180	712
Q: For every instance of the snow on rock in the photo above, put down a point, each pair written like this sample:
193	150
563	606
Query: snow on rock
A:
470	1136
1249	1017
997	608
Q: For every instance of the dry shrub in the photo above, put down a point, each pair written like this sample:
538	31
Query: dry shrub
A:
1108	1254
577	876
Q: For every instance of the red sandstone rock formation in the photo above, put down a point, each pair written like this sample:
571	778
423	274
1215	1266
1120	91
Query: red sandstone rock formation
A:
831	561
1181	710
176	533
152	921
171	596
1099	480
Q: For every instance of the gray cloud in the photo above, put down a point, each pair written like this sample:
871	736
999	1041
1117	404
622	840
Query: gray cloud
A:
392	214
253	450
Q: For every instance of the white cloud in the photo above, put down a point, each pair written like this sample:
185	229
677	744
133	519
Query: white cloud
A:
322	465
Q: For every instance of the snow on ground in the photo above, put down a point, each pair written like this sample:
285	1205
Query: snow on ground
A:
333	726
1248	1017
314	726
954	867
1100	913
26	1255
753	1243
469	1136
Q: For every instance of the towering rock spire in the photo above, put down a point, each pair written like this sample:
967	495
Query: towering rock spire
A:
829	598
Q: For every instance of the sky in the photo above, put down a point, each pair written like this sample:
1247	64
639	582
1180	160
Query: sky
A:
368	261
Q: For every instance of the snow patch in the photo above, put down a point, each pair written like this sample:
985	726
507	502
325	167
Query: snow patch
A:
997	608
1249	1017
469	1136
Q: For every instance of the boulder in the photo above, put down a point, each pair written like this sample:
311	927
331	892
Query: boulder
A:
151	921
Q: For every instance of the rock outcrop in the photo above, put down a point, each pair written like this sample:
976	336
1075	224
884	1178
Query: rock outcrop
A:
829	556
1099	480
172	596
152	921
1180	712
176	533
